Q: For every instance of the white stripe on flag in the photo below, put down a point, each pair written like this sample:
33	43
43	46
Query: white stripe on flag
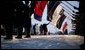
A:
56	15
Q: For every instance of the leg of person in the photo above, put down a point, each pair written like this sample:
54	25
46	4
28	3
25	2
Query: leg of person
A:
34	29
27	28
34	32
19	26
44	32
19	35
27	33
8	31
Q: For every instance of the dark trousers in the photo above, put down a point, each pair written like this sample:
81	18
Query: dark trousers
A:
27	26
19	25
20	29
9	30
34	32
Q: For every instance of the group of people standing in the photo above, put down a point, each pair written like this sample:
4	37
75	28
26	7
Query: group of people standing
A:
17	14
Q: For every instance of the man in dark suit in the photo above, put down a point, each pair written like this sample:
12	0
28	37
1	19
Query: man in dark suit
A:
24	11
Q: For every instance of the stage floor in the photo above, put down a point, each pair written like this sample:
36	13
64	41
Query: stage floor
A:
44	42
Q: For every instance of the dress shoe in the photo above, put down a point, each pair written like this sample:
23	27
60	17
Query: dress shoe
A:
18	37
